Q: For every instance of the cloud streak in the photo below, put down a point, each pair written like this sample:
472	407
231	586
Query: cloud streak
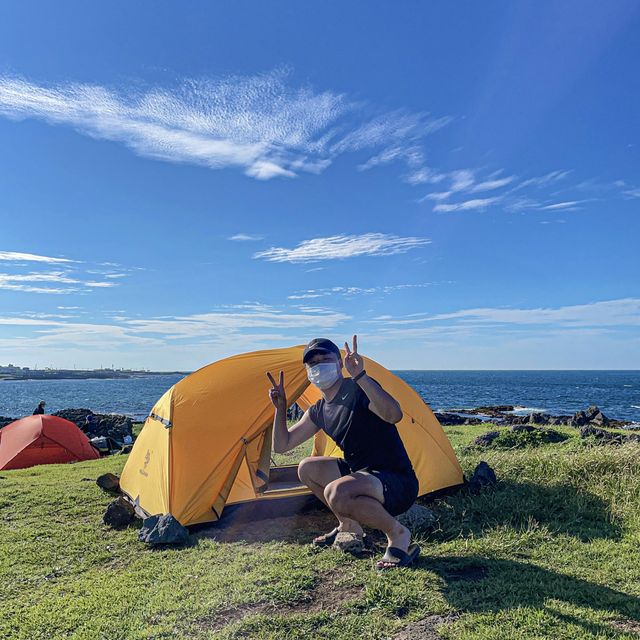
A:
343	246
15	256
354	291
245	237
466	205
253	322
258	124
607	313
53	282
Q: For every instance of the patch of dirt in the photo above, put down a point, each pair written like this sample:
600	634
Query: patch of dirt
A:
298	528
329	594
425	629
626	625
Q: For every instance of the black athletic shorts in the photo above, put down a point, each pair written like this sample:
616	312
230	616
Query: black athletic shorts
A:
400	490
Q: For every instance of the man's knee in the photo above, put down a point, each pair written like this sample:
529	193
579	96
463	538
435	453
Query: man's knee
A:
305	469
337	494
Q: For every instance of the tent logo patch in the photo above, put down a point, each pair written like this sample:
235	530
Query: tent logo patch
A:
147	458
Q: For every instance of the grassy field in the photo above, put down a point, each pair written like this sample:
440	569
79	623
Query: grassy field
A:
552	552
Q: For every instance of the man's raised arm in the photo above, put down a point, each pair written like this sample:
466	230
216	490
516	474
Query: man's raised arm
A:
383	404
286	439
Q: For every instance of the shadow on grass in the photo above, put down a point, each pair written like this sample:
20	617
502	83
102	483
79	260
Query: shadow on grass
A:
476	584
561	508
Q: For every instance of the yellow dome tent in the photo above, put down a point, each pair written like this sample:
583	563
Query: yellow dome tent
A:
207	441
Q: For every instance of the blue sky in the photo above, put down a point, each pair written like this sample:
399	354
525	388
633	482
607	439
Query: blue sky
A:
458	183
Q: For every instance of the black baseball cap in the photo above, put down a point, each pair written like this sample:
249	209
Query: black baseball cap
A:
320	345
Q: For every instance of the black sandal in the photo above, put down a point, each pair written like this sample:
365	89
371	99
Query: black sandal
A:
397	558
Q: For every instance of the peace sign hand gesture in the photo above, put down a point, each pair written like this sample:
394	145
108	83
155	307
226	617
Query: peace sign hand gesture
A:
353	361
276	393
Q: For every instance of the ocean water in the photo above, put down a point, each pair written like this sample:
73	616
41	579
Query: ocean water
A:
617	393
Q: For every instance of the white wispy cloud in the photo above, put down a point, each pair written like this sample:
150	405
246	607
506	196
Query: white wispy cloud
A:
22	282
245	237
250	322
461	180
437	195
393	130
29	257
540	181
568	204
354	291
619	312
51	282
491	184
234	321
466	205
259	124
343	246
467	181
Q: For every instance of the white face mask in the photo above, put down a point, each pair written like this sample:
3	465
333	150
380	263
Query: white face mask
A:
324	375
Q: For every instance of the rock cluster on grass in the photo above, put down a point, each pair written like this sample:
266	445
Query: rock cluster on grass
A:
519	436
602	436
486	439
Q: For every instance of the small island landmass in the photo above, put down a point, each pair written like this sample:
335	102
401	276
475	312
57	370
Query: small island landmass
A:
14	372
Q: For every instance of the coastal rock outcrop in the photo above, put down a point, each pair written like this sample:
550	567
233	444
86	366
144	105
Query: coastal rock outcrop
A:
110	425
451	419
503	415
592	415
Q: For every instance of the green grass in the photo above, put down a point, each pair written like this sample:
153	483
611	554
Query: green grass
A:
552	552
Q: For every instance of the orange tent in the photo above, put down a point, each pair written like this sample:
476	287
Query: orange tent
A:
207	440
43	439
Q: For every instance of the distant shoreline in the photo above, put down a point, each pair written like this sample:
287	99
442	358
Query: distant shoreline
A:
73	374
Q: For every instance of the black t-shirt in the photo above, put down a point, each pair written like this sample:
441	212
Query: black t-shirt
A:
366	439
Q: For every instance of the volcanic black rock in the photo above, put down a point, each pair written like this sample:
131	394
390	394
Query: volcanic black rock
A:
483	476
109	482
119	513
163	530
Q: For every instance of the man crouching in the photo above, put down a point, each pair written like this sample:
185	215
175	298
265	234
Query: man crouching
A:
375	480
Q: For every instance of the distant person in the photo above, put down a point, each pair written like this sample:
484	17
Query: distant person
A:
89	424
39	410
375	480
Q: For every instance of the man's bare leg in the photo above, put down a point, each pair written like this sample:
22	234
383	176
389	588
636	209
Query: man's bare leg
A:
359	496
317	472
